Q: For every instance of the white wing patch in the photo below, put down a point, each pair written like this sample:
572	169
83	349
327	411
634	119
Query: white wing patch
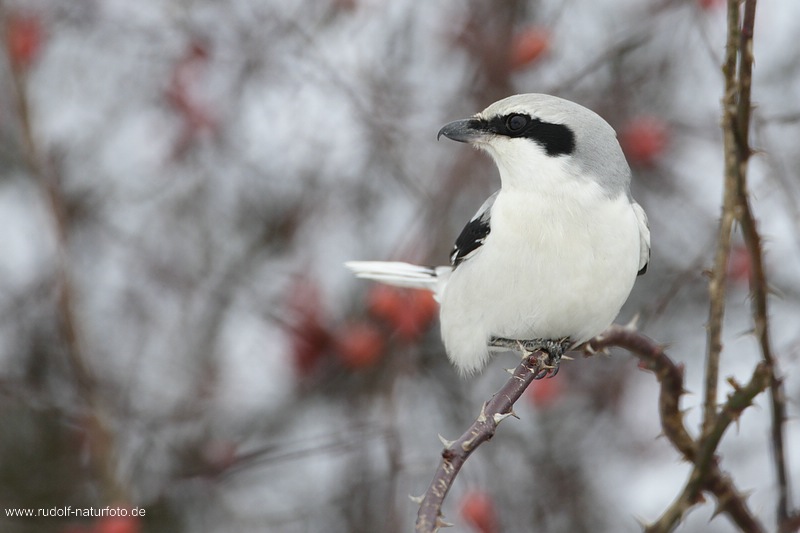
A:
644	237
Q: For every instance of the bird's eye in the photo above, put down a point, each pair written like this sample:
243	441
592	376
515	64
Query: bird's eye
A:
516	123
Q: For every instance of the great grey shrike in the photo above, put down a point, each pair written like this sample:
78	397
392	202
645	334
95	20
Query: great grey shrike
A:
549	259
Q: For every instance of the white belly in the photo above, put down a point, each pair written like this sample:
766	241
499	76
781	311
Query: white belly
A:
550	268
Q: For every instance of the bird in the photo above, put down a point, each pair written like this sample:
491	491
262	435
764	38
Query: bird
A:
549	259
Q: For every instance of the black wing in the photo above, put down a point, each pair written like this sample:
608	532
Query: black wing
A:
474	233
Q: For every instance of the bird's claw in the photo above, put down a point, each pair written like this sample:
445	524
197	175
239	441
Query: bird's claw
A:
550	370
549	362
549	366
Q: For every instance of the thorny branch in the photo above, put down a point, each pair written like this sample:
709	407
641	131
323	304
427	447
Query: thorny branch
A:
455	453
707	475
719	273
737	120
736	129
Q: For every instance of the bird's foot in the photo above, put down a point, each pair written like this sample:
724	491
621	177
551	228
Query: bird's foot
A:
549	362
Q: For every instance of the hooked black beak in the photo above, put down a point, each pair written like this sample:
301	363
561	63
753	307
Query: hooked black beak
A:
466	130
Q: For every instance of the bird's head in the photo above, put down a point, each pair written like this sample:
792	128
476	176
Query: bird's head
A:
540	141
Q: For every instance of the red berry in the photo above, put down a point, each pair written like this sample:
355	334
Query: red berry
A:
360	345
528	46
407	326
644	139
117	524
477	508
545	392
219	455
308	335
185	93
305	355
408	311
425	306
708	5
740	268
24	38
419	310
309	341
385	302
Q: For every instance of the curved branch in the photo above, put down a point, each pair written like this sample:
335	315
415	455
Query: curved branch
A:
706	474
652	357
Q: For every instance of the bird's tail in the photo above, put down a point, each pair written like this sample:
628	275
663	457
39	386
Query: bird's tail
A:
396	273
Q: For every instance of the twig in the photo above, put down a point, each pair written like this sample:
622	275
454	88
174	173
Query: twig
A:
58	211
739	124
719	274
792	523
736	126
670	376
455	453
708	475
86	385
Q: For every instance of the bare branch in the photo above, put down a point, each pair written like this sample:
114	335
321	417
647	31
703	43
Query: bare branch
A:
706	474
455	454
739	124
736	128
653	358
58	212
85	384
716	286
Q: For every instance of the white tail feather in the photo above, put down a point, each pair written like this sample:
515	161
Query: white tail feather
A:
396	273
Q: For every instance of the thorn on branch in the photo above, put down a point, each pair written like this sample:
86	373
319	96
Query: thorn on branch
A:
633	324
445	442
440	523
495	410
735	384
498	417
670	376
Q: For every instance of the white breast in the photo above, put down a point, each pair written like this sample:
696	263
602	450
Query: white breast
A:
559	263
